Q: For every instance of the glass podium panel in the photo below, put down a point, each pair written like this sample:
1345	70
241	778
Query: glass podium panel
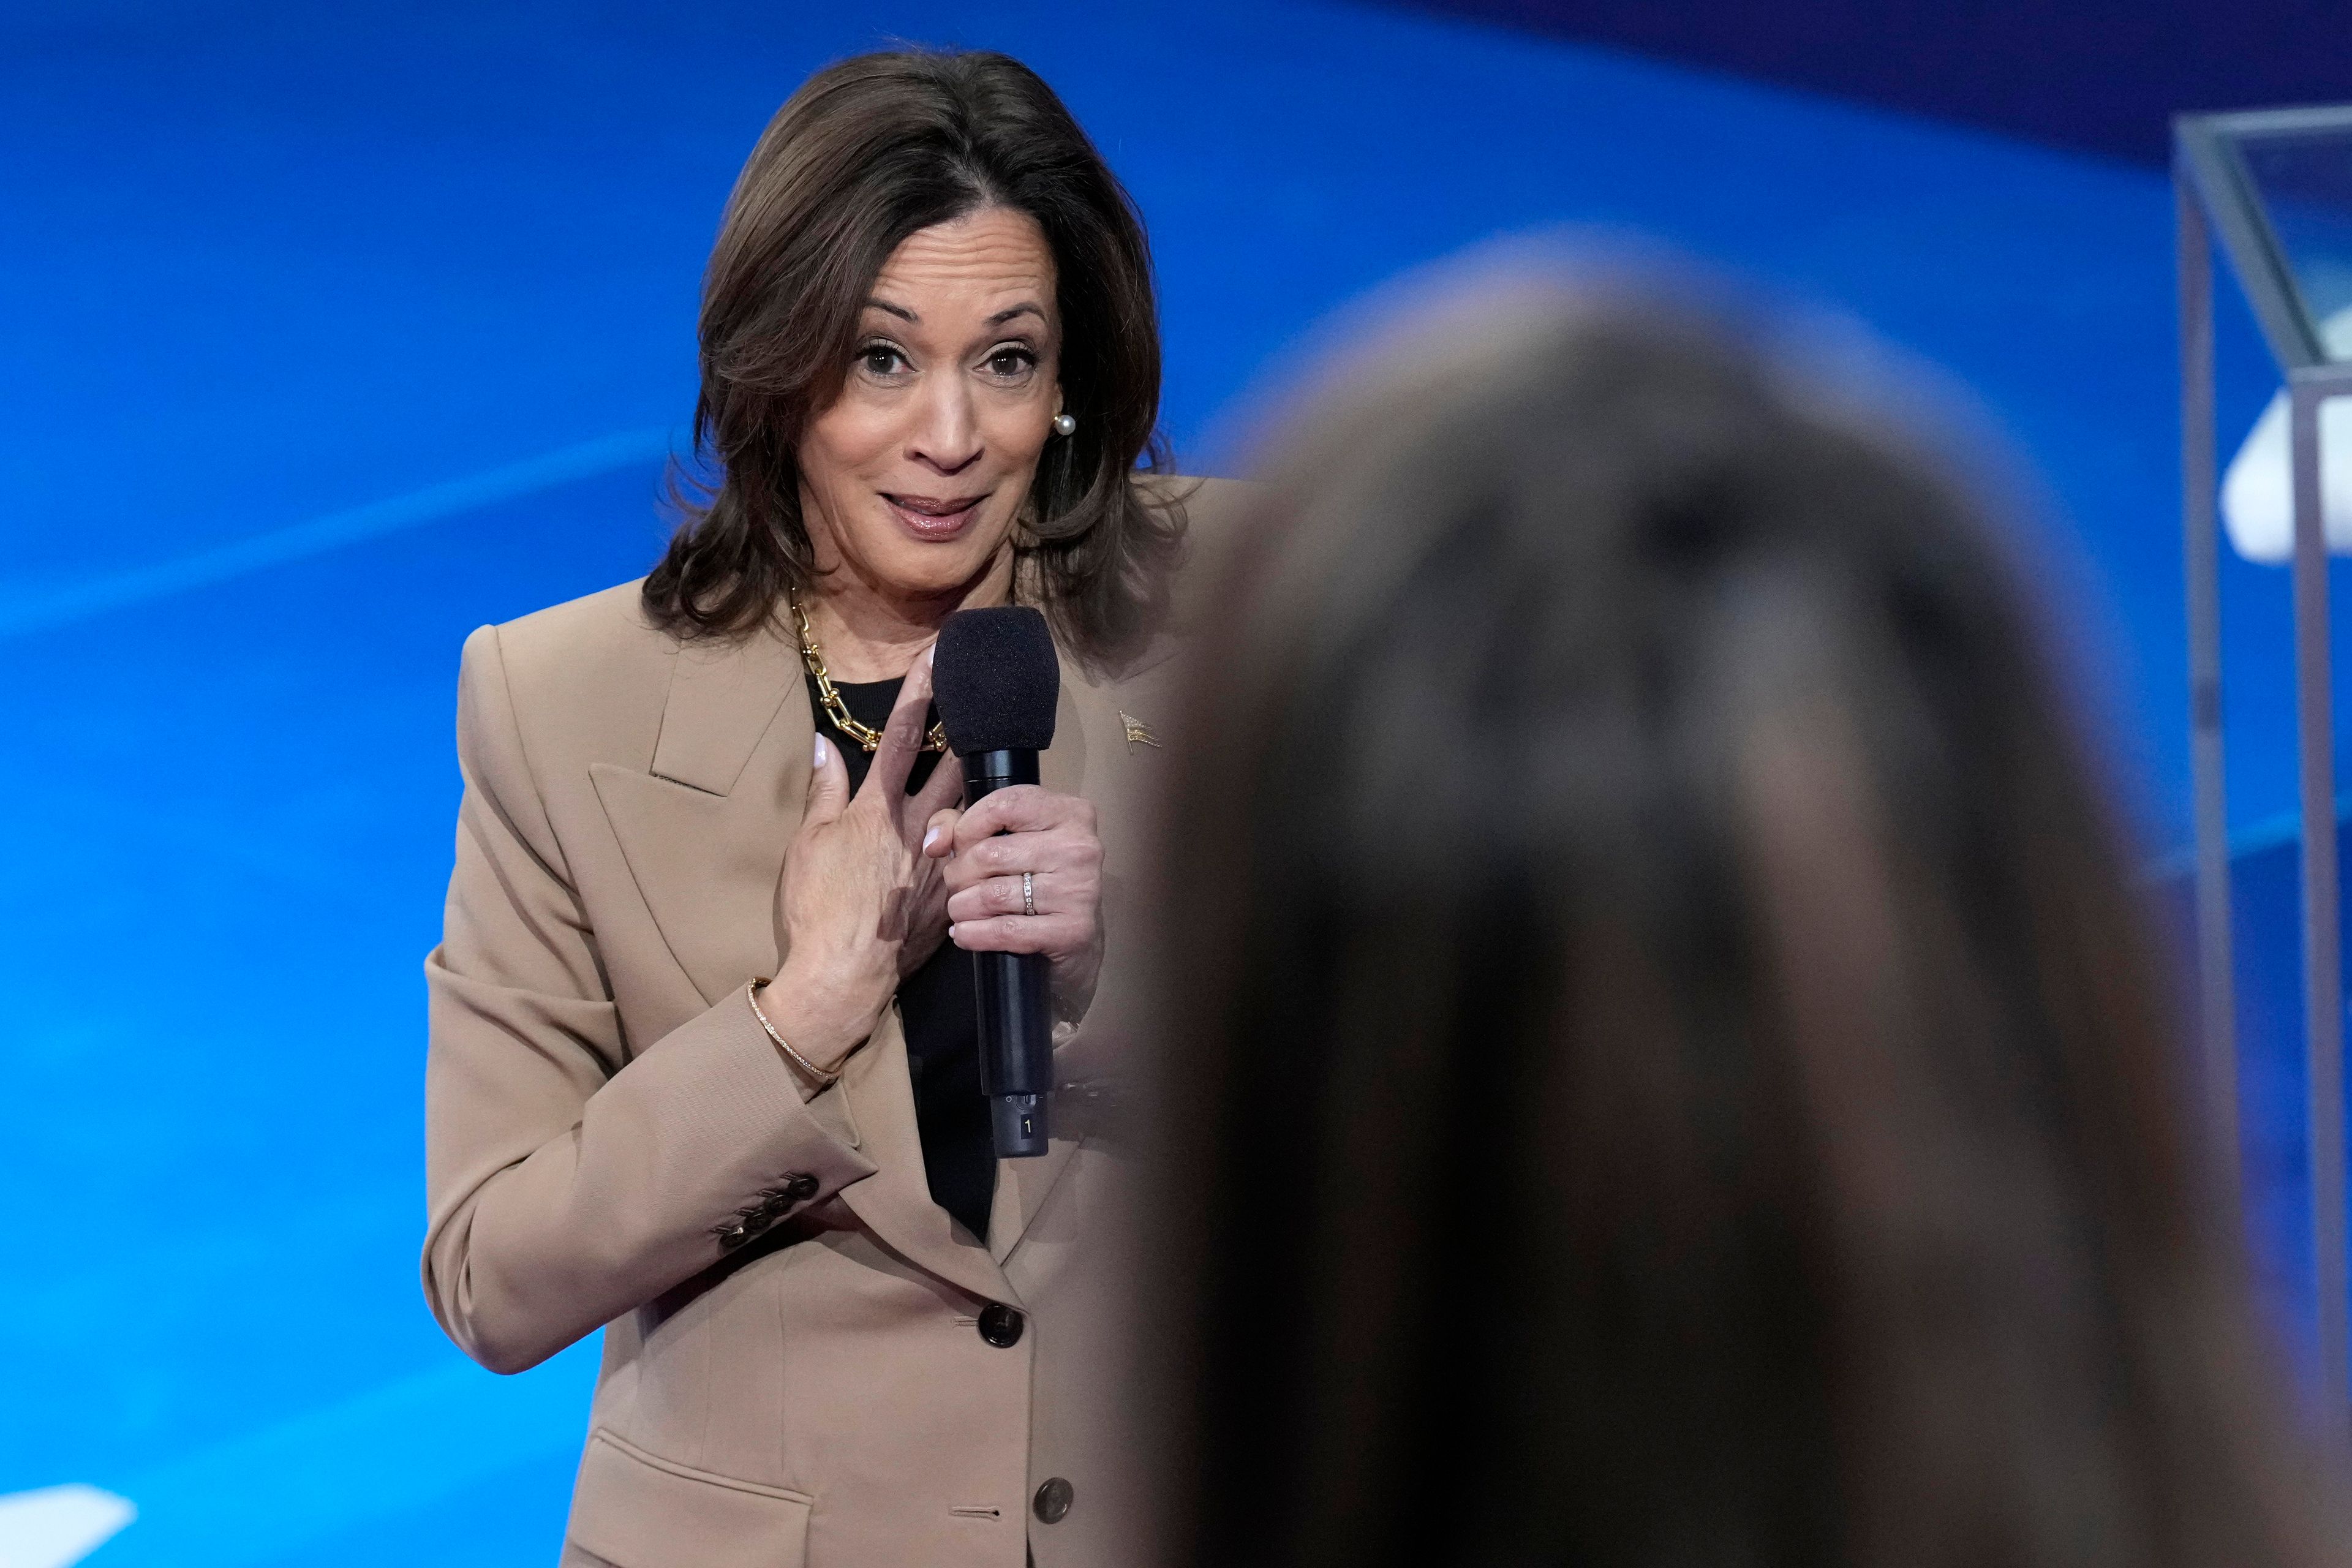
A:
2277	185
2302	185
2273	189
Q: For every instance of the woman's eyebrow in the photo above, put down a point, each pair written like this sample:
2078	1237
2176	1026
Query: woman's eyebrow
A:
1026	308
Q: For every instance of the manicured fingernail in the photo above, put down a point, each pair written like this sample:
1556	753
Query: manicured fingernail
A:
930	836
820	751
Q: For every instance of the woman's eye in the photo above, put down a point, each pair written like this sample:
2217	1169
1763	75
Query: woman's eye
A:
1011	361
880	359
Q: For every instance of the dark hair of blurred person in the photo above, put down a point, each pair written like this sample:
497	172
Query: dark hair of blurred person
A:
1687	1080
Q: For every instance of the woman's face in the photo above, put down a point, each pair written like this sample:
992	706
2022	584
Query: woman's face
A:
912	480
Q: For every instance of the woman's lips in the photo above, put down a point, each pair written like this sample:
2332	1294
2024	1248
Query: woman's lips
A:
935	517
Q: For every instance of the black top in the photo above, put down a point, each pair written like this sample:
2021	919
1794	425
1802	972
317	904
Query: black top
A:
938	1006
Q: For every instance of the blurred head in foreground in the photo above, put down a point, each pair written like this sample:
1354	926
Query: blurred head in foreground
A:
1685	1082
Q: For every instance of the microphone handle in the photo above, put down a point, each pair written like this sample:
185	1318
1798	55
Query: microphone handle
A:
1016	1028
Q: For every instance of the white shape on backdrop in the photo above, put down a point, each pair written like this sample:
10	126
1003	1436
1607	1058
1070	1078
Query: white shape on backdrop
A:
57	1526
2258	491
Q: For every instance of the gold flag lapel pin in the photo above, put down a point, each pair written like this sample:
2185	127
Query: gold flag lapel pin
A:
1138	733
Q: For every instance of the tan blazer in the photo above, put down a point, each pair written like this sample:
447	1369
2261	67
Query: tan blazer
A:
805	1360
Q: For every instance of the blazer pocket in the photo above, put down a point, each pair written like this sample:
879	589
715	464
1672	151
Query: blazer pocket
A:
636	1510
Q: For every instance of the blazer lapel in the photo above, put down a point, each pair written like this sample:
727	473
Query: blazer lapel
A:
1026	1183
1062	769
895	1201
704	831
1112	758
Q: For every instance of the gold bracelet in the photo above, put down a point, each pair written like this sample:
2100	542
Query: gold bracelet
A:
822	1079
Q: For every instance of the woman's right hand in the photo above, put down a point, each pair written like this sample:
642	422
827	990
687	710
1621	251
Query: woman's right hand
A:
858	896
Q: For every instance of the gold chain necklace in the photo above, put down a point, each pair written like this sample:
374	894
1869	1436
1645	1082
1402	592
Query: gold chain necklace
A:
829	698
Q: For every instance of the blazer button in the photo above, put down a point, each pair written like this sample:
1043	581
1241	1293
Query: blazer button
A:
999	1325
1052	1503
800	1186
775	1203
732	1237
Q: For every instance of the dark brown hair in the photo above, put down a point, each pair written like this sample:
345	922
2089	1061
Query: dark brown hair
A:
866	153
1684	1079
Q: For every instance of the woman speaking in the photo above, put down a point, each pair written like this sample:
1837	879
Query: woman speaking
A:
703	1064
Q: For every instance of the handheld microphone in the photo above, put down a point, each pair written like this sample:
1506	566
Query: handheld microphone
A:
996	682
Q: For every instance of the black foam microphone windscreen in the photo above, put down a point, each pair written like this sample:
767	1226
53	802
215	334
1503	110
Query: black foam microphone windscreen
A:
997	683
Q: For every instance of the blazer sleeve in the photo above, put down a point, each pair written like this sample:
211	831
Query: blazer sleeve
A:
568	1184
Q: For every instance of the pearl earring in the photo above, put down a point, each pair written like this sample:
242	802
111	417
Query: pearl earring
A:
1064	424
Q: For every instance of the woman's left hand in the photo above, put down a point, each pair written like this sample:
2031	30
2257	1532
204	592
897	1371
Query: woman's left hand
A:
1027	827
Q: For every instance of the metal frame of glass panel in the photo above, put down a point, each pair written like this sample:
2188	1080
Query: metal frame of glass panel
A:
2215	197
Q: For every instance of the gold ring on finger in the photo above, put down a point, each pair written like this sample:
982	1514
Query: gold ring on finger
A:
1028	894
